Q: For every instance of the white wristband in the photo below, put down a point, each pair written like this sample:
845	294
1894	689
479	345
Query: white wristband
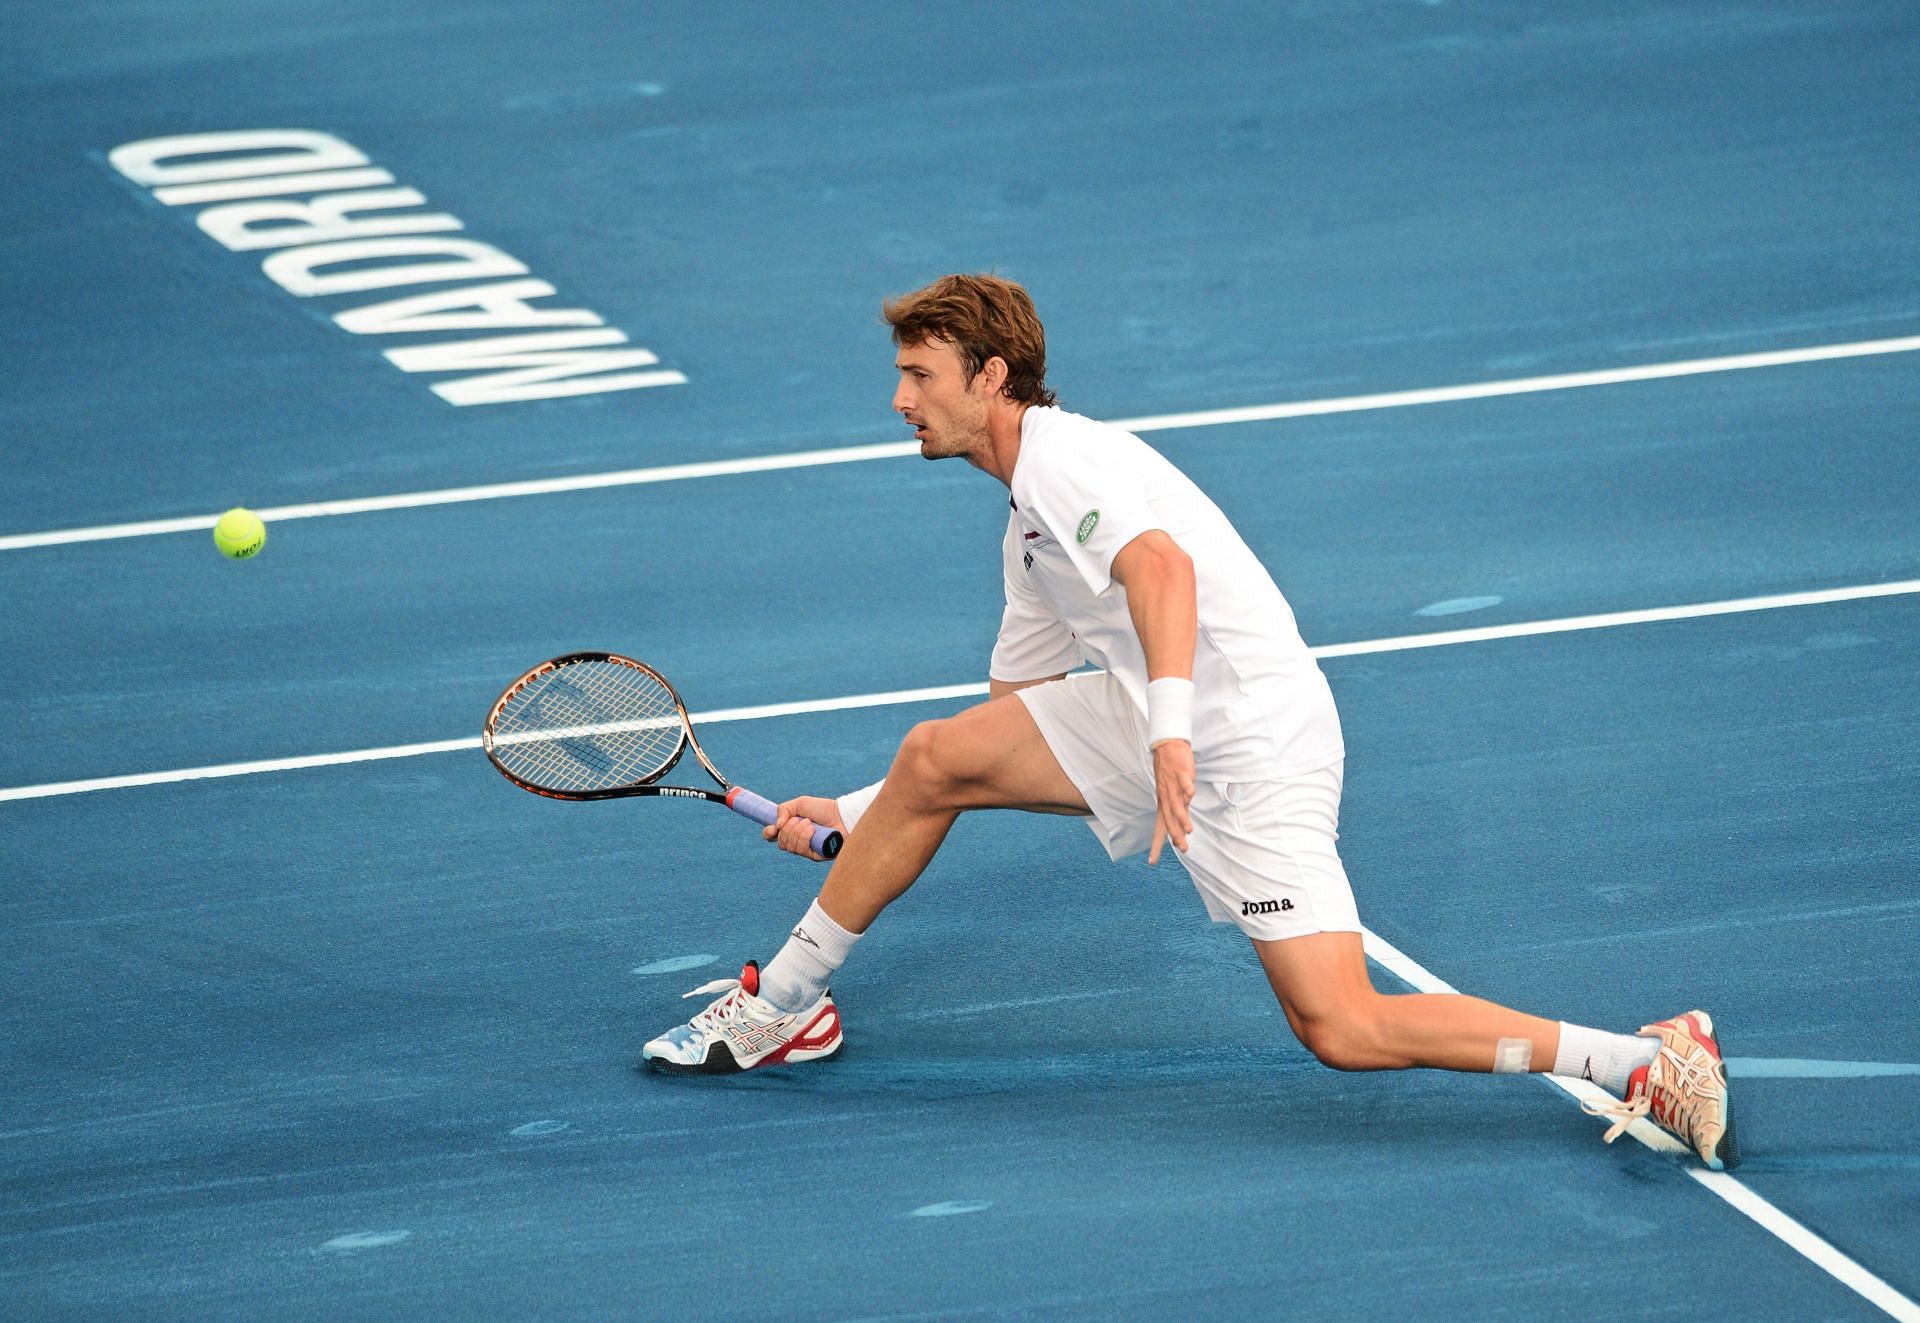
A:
1169	711
855	803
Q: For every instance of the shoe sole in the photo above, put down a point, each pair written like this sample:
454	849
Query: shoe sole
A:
720	1061
1726	1154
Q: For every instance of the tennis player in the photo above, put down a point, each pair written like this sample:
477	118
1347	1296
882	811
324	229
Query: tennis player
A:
1206	722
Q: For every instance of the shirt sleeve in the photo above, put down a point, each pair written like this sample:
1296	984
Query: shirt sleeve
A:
1034	643
1090	493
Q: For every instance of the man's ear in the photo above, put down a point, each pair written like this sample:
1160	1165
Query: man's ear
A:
995	371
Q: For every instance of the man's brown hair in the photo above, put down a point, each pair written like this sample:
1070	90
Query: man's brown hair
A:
983	317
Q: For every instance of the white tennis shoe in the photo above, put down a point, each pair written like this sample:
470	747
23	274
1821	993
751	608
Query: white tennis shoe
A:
740	1031
1684	1089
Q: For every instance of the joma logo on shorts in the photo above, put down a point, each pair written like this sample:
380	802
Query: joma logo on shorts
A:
1252	907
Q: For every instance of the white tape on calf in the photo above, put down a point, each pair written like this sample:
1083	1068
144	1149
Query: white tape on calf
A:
1514	1056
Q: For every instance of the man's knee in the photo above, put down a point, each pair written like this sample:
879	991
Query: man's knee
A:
929	767
1344	1037
991	756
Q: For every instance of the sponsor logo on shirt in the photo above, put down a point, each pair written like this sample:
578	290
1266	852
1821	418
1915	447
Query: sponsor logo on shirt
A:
1087	523
1035	542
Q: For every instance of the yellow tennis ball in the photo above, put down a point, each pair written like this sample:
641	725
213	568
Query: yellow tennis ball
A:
239	533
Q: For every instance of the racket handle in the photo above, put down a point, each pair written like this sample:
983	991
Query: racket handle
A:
826	840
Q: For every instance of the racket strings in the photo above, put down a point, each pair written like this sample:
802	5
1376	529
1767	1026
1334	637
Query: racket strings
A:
589	725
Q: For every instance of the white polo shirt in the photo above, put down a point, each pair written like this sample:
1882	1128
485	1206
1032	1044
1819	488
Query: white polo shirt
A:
1081	491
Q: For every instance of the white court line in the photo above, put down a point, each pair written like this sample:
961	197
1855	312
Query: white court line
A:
1819	1251
1735	606
895	450
490	492
1483	390
1404	643
471	742
1822	1252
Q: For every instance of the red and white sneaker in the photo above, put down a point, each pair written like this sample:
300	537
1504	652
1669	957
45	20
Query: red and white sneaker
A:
740	1031
1684	1089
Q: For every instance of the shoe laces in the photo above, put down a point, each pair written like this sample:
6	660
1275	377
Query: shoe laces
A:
727	1008
1623	1113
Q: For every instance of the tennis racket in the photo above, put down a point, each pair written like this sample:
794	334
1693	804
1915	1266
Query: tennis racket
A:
596	725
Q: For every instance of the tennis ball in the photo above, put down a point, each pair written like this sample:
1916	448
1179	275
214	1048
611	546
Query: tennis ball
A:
239	533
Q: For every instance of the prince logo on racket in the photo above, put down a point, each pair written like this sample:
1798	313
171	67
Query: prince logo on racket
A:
1205	721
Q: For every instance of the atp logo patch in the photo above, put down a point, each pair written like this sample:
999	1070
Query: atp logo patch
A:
1087	524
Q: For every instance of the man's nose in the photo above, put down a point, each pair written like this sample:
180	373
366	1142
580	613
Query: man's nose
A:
901	400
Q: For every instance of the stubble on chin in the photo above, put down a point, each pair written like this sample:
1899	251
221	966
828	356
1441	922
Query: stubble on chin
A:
941	447
962	443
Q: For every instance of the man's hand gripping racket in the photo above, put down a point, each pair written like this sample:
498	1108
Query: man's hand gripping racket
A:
596	725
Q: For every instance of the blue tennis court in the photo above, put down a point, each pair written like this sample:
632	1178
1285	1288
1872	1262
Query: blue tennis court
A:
1560	363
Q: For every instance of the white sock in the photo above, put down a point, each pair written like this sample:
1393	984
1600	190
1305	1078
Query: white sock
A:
1606	1059
794	979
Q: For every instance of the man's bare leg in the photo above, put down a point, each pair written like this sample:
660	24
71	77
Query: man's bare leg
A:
990	756
1323	986
1330	1001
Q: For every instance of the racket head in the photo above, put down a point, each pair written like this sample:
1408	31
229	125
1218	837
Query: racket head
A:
586	725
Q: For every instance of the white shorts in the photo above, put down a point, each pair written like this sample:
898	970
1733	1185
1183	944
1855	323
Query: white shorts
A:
1261	853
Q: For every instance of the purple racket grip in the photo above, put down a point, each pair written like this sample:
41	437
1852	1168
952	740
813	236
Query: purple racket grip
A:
826	840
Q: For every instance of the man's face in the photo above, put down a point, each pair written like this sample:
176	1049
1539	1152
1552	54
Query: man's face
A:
949	414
